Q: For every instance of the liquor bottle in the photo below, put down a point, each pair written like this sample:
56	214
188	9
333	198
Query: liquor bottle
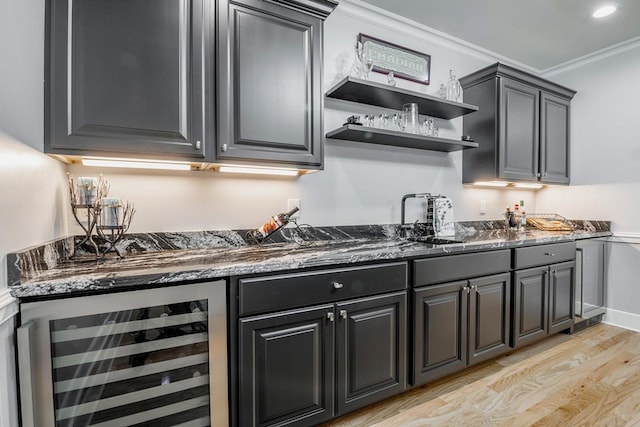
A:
275	223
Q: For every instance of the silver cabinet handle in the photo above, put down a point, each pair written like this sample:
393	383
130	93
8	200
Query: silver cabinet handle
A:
475	288
466	289
25	364
198	145
224	147
549	254
554	272
343	314
337	285
330	316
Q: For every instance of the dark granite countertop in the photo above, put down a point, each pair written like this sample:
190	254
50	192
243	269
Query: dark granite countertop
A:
161	258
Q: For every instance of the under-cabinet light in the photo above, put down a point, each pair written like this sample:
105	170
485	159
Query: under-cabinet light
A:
136	164
530	186
490	184
256	170
604	11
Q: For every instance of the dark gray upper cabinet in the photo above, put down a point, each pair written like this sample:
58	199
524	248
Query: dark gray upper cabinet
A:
522	127
129	78
554	149
270	81
518	132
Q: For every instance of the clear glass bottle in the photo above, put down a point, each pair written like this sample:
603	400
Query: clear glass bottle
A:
391	81
454	90
357	68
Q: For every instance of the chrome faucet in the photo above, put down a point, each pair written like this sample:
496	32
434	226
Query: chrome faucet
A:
404	227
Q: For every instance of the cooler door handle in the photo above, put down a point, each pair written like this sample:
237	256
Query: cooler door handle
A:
25	364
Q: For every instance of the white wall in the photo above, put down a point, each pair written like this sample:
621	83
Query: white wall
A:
605	172
360	184
32	185
605	176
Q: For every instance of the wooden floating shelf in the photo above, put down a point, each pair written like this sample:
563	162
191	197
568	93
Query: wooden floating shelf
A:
382	95
398	139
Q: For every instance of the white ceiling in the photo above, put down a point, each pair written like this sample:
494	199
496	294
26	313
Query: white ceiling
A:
542	34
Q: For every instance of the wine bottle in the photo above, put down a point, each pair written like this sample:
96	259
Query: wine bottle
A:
276	222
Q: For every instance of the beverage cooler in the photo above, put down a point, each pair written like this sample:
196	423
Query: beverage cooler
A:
590	279
155	357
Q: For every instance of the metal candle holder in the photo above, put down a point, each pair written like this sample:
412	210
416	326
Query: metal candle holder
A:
107	236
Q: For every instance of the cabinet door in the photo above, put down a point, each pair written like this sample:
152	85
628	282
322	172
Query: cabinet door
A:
370	350
270	100
286	367
531	304
440	331
561	296
518	131
554	139
152	357
590	278
127	77
489	317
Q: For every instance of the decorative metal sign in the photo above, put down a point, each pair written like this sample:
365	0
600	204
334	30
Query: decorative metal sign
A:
404	63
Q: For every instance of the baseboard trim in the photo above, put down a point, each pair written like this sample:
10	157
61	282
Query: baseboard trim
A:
8	306
622	319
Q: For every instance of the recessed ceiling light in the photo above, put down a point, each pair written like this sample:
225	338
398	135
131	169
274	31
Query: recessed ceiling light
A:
604	11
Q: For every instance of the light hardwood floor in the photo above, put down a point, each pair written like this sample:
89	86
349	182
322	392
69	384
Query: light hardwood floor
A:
591	378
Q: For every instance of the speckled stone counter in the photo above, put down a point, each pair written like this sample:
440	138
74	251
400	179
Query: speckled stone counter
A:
161	258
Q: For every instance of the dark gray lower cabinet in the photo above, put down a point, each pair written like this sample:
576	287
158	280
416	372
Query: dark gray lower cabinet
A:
489	317
440	331
303	367
286	368
543	297
459	324
370	350
561	296
531	293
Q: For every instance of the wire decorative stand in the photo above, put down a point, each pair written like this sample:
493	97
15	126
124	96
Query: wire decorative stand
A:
550	222
106	235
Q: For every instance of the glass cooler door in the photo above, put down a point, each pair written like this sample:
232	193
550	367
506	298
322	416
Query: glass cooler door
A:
142	358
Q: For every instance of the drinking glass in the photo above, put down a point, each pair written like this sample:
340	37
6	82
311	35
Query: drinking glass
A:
410	118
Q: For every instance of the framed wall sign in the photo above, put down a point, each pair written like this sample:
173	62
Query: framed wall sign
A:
405	63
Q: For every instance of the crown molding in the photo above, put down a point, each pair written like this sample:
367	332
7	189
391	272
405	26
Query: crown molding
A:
399	24
598	55
319	8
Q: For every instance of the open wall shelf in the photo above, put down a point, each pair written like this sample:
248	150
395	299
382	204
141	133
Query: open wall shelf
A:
398	139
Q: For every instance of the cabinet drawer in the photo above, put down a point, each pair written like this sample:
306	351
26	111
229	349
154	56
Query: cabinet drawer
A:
262	294
544	254
455	267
